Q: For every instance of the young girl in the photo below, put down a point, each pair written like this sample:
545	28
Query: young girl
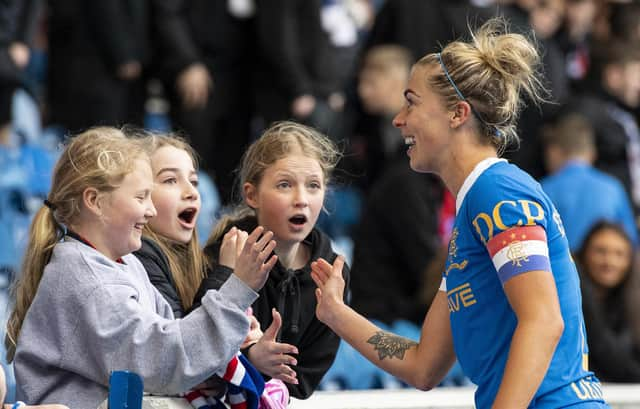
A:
509	301
84	306
170	250
283	179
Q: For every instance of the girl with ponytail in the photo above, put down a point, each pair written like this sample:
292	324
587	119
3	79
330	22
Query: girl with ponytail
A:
84	306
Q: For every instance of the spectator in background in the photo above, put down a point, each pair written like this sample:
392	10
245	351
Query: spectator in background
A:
422	26
206	61
625	23
582	194
16	29
624	20
98	52
609	300
297	76
574	38
418	26
539	19
382	75
24	167
608	104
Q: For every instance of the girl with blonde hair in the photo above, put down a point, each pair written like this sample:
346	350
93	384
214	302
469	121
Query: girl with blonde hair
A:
84	306
283	179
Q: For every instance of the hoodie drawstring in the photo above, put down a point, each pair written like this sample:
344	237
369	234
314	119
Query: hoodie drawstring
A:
290	286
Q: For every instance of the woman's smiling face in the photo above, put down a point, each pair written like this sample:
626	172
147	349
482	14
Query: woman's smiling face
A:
424	122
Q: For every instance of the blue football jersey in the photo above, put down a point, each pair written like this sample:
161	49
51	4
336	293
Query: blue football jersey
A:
506	225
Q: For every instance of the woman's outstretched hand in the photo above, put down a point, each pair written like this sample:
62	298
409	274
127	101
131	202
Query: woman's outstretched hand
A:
252	263
330	291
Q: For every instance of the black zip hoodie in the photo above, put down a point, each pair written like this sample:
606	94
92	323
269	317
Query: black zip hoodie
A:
292	293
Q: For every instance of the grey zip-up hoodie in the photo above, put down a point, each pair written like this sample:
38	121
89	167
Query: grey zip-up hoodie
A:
91	316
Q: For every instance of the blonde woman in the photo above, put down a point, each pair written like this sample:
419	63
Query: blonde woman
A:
509	302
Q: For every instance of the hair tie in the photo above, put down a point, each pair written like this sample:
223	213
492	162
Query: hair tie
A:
50	205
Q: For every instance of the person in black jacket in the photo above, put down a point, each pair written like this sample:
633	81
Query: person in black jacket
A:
97	55
609	101
297	74
283	178
16	29
206	61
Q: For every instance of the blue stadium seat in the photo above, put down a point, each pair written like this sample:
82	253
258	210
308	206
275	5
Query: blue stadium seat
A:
210	206
125	390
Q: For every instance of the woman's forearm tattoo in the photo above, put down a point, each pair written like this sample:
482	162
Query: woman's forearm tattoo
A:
389	345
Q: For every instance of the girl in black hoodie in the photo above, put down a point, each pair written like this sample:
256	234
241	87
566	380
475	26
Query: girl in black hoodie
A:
283	178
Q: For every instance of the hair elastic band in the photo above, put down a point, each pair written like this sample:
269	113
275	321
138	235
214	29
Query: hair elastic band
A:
18	404
49	205
496	131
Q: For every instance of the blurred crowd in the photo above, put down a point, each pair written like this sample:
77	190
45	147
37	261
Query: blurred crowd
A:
220	71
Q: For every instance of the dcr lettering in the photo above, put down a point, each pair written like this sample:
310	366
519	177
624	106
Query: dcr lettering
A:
532	212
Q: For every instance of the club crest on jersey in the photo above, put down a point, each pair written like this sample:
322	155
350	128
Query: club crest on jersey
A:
516	253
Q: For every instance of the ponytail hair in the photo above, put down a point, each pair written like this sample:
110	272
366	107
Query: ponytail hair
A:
43	235
99	158
491	73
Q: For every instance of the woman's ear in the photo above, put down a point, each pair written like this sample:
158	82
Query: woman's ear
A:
461	114
250	195
91	199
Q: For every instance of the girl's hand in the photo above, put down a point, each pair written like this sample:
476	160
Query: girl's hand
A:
255	333
232	244
330	291
273	358
250	264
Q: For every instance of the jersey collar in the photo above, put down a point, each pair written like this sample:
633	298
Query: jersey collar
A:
473	176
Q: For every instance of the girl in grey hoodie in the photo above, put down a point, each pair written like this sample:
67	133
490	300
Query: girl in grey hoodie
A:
84	305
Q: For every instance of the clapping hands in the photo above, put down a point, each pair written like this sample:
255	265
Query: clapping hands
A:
248	255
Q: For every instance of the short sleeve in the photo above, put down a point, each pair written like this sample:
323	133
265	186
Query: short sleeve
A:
509	215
